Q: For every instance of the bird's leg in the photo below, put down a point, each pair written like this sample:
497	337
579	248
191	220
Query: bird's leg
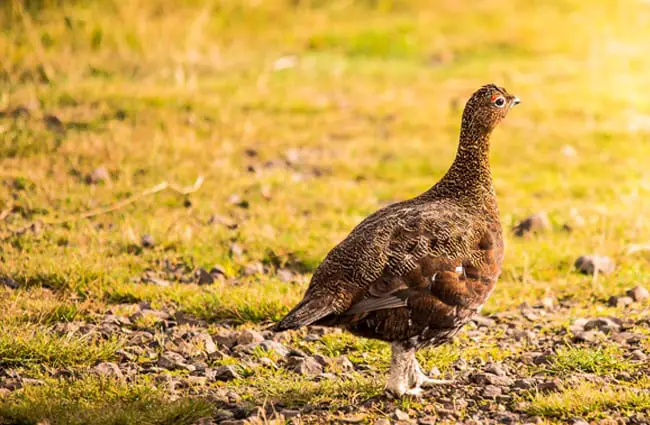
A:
423	380
401	375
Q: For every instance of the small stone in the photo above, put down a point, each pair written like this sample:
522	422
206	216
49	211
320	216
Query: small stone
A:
269	345
343	364
603	324
592	264
253	269
285	275
7	281
227	339
616	301
491	391
582	336
290	413
173	361
523	384
428	420
208	343
249	336
578	421
547	303
98	175
624	376
536	223
483	321
109	369
304	366
495	369
382	421
218	272
638	355
400	415
490	379
53	123
638	293
147	241
225	373
236	250
550	386
204	277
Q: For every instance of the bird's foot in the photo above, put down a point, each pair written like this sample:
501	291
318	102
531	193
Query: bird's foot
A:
430	382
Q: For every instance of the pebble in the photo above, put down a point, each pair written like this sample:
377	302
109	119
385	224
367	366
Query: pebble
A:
483	321
536	223
582	336
249	336
490	379
603	324
279	348
173	361
98	175
592	264
638	293
550	386
401	415
495	369
382	421
304	365
109	369
578	421
638	355
616	301
290	413
147	241
204	278
225	373
353	419
491	391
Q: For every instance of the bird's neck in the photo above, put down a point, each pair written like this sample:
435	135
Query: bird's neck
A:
469	177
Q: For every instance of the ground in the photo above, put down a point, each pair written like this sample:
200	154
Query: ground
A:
277	126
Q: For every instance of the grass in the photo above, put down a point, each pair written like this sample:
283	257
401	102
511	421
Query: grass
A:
101	402
304	117
590	401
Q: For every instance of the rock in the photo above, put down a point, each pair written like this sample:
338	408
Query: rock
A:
382	421
225	373
616	301
173	361
550	386
218	272
624	376
253	269
536	223
9	282
147	241
428	420
249	336
592	264
208	343
98	175
269	345
109	369
638	355
400	415
603	324
495	369
304	366
53	123
578	421
285	275
290	413
523	384
582	336
483	321
491	391
547	303
638	293
490	379
204	278
342	364
228	339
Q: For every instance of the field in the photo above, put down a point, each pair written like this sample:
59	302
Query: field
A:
171	173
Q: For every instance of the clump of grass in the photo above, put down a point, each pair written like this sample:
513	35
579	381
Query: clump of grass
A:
587	399
23	345
601	360
99	401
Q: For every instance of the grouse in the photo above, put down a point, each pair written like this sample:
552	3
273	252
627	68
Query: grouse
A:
414	272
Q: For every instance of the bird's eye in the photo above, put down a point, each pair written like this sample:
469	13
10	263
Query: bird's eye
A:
499	101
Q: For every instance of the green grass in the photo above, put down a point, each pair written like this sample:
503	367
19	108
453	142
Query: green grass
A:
99	402
600	360
590	401
314	114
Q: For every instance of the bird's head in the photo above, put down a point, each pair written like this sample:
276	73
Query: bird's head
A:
487	107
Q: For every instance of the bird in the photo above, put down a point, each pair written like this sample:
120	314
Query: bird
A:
414	272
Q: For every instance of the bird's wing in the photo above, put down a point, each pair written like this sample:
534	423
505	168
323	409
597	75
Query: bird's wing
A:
394	249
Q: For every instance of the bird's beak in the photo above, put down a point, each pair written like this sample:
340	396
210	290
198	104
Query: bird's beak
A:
515	101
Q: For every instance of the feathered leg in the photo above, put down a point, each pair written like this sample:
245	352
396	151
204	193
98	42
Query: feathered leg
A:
405	375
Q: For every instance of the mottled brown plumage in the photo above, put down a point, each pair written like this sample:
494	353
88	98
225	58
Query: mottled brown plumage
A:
413	273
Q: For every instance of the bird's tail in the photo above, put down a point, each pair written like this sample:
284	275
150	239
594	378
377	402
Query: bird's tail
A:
309	310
